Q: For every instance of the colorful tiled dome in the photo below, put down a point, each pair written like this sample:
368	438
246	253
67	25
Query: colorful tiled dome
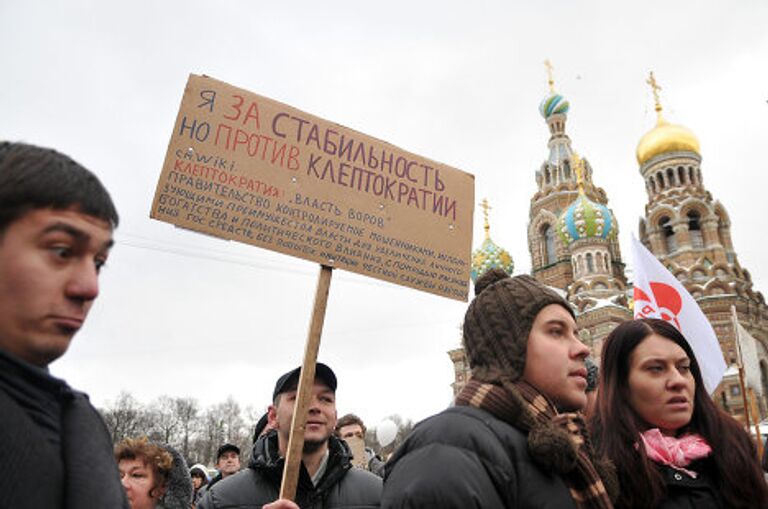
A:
585	219
553	104
490	256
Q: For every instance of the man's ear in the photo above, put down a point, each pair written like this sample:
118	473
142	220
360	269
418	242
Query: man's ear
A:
272	417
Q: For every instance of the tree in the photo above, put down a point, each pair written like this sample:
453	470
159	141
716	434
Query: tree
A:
187	410
125	418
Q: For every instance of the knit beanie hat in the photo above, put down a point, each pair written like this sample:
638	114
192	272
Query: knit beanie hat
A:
498	322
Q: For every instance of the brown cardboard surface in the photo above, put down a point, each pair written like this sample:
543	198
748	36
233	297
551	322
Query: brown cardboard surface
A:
244	167
357	446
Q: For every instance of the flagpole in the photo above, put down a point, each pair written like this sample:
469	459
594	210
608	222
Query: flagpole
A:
740	364
753	405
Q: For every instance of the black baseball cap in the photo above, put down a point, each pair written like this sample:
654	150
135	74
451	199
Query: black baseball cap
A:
226	448
290	380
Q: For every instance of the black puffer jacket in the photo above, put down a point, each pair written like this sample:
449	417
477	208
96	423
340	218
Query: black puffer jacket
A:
466	458
341	487
685	492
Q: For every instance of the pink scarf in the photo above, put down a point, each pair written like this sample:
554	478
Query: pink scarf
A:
675	452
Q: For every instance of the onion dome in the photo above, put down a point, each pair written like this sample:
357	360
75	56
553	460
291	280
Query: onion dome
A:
585	219
489	255
553	104
665	137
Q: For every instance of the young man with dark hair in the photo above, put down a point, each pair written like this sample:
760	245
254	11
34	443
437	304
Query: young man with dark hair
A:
56	223
515	437
326	479
350	427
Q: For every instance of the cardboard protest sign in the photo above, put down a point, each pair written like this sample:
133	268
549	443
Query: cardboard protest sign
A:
244	167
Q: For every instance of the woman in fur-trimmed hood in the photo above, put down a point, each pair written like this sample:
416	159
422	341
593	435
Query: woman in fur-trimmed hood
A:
154	475
514	438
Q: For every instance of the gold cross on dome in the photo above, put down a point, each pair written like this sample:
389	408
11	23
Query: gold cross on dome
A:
550	79
578	167
484	205
655	87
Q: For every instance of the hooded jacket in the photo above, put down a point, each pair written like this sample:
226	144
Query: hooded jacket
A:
259	484
178	491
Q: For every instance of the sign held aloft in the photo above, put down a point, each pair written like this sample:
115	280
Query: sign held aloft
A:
244	167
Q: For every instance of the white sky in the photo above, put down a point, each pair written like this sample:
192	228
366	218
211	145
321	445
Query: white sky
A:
184	314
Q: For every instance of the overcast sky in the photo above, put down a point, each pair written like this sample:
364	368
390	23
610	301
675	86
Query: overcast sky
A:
188	315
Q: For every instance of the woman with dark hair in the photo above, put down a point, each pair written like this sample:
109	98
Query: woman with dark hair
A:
672	447
199	477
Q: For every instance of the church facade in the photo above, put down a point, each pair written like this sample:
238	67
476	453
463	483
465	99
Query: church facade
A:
573	243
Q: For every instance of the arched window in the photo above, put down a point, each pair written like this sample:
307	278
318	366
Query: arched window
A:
590	263
691	176
549	256
607	263
671	177
681	175
547	178
694	229
567	169
660	181
668	234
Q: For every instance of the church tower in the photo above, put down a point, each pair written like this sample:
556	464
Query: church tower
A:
557	189
488	256
689	232
587	229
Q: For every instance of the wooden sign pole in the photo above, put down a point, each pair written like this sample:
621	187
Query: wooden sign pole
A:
756	420
304	389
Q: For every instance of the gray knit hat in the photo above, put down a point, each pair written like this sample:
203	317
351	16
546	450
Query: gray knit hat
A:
498	322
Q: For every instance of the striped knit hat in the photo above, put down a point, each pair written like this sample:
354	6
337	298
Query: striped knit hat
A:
498	322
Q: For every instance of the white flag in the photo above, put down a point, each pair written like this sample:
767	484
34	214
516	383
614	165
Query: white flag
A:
748	353
658	294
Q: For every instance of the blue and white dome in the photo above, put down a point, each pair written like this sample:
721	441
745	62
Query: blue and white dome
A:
585	219
554	104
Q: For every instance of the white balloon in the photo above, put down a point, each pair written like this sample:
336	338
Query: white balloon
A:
386	432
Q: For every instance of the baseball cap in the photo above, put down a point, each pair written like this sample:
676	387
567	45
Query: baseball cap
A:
226	448
290	380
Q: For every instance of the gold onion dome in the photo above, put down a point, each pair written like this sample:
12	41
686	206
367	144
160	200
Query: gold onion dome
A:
665	137
489	255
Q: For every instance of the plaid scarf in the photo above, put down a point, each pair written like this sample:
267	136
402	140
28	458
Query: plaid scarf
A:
522	406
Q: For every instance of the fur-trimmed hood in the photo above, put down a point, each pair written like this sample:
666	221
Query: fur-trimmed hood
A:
178	493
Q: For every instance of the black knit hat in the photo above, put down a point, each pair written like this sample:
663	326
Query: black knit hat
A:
498	322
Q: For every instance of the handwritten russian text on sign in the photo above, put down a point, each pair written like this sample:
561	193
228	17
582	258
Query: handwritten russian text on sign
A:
243	167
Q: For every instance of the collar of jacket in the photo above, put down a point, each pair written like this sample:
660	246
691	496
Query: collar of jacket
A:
266	460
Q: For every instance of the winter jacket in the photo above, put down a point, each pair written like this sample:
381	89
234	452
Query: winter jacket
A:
685	492
55	451
375	464
465	458
341	487
178	490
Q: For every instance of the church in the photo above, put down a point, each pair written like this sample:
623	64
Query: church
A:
574	247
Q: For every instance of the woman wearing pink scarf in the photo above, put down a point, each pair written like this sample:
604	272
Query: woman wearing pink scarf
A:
672	447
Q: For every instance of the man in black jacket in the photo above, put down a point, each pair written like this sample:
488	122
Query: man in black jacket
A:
326	477
56	222
514	438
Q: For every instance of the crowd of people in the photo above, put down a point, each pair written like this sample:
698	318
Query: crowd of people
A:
538	425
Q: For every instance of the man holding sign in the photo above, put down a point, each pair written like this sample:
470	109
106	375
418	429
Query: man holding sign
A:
326	479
